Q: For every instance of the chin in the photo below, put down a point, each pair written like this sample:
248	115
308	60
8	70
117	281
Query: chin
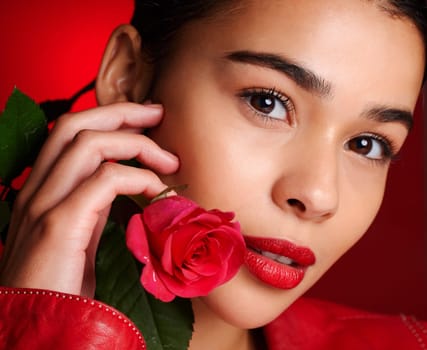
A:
247	303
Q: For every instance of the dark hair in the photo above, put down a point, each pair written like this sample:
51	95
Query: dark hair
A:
158	21
414	10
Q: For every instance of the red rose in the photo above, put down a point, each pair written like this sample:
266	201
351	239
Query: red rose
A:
187	250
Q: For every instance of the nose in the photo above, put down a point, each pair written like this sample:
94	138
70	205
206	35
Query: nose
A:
309	185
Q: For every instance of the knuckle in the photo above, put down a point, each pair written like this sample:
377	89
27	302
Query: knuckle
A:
64	122
32	214
150	176
107	170
47	219
48	224
150	179
84	138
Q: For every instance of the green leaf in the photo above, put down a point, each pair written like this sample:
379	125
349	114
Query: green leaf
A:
23	129
164	325
139	200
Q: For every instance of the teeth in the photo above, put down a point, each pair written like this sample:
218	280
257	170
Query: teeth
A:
279	258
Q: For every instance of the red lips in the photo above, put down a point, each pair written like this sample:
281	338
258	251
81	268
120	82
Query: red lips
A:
273	272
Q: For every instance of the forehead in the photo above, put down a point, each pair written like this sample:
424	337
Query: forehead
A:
335	38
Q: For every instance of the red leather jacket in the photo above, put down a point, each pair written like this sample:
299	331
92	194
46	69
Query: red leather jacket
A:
38	319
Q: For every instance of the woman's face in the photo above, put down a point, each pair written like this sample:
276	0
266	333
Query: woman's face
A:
288	113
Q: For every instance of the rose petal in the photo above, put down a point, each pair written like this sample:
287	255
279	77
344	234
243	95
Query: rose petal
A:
166	258
227	215
183	241
207	219
188	275
136	239
197	289
160	214
189	290
153	284
204	269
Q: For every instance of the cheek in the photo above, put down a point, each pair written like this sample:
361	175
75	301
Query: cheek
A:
234	302
359	206
211	152
200	158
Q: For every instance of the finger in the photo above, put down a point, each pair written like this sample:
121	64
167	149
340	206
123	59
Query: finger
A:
87	152
112	117
89	277
98	191
55	253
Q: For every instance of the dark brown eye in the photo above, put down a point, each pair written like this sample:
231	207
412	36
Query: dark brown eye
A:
262	103
367	146
267	104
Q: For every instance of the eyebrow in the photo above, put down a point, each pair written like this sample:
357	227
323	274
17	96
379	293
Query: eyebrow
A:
310	81
302	76
390	115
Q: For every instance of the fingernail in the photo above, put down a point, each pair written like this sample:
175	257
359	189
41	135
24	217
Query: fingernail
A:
171	193
171	156
155	106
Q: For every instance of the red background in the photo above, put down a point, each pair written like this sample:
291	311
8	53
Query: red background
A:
50	49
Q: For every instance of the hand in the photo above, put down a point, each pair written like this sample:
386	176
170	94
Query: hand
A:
60	212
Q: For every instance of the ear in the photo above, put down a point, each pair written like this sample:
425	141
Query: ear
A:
125	74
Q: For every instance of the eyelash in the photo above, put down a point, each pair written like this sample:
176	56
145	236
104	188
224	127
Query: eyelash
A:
268	92
387	145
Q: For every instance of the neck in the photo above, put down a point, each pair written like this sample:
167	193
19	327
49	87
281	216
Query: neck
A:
212	333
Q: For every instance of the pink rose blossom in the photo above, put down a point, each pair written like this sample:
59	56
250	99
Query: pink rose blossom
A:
187	250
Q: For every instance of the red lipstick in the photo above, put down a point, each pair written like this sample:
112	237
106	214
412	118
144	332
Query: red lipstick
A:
277	262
